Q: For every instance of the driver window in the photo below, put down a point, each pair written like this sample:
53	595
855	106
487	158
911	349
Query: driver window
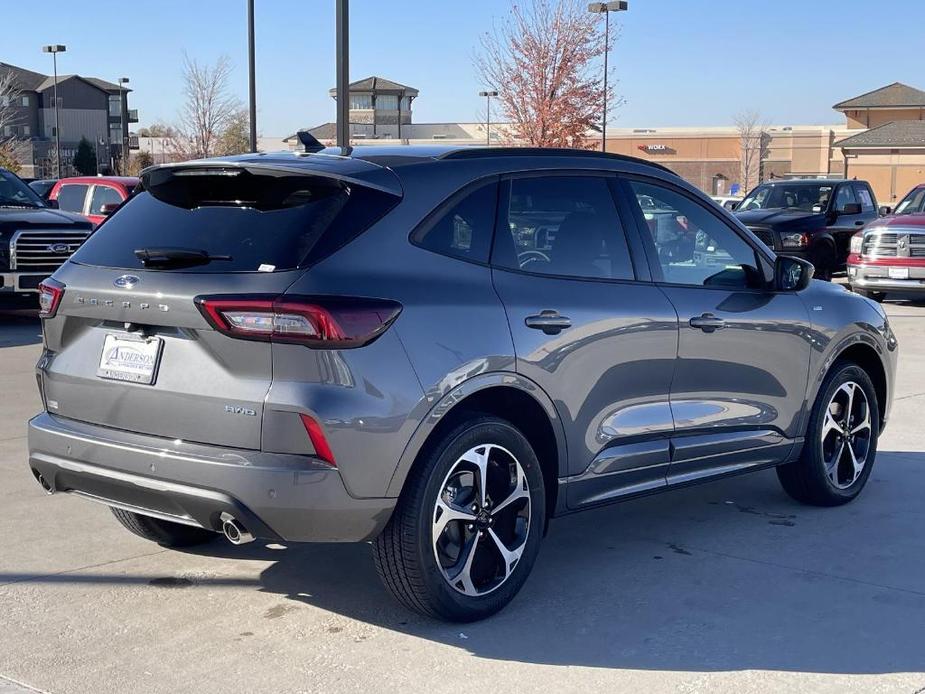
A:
567	226
694	247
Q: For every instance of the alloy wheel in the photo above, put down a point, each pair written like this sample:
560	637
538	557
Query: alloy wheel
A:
481	520
846	435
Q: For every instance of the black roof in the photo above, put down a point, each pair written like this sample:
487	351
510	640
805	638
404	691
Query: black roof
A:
899	133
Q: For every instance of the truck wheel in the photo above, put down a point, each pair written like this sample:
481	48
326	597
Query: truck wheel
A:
841	441
823	259
162	532
468	525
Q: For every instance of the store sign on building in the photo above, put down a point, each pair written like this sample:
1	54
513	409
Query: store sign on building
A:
657	149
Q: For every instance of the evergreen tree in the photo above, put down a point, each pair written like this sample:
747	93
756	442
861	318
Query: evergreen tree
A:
85	158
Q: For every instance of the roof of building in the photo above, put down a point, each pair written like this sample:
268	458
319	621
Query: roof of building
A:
896	95
377	84
37	82
103	84
25	79
899	133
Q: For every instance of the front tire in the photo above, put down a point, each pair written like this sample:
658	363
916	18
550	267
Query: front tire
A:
162	532
467	528
841	441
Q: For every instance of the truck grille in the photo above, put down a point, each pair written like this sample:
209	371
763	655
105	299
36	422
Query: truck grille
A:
894	245
44	250
763	233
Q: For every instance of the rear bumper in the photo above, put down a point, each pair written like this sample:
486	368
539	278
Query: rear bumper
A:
275	496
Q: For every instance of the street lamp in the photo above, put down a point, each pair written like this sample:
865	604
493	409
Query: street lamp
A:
122	108
606	8
488	96
54	50
251	79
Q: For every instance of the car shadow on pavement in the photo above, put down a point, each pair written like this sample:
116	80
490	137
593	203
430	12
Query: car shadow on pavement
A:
18	328
729	576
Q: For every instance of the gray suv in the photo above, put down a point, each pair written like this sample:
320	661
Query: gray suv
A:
437	350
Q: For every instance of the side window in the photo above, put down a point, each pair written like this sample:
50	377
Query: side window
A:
844	196
464	230
71	197
103	195
864	197
564	225
694	246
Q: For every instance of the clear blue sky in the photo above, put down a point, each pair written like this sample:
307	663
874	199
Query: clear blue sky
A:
679	62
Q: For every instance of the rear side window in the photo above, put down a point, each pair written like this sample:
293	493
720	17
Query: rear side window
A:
258	223
464	229
103	195
864	197
71	197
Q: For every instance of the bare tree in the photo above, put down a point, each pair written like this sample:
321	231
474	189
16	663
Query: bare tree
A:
10	115
753	146
208	109
542	59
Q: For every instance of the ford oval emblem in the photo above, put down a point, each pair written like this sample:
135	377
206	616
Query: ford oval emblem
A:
58	248
126	281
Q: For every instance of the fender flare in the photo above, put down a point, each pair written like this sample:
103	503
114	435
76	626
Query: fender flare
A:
449	400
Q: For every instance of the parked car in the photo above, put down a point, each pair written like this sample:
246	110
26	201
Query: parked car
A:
888	256
92	196
811	219
381	347
34	239
43	186
727	202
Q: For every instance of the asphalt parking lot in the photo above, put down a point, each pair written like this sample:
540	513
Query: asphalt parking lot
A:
724	587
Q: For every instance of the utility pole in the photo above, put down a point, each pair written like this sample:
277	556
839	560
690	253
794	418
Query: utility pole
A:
342	26
54	50
123	108
252	79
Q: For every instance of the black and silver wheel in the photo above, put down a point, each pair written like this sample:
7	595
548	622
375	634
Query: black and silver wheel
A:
841	441
466	531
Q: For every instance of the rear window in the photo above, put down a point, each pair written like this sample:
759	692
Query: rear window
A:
255	223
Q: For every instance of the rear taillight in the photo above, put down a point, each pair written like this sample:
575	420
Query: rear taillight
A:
50	293
322	322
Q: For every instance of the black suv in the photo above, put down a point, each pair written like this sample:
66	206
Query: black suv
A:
812	219
34	239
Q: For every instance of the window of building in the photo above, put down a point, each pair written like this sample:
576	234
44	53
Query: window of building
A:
387	102
7	130
115	134
361	101
26	131
25	100
694	246
465	229
115	105
406	103
564	225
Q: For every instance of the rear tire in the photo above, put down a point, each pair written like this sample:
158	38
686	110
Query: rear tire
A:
162	532
455	549
835	463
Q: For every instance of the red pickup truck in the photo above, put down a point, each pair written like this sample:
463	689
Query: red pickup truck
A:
94	197
888	255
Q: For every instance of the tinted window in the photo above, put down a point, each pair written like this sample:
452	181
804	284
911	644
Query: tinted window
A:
14	192
263	222
844	196
103	195
693	245
464	229
864	197
791	196
913	203
565	225
71	197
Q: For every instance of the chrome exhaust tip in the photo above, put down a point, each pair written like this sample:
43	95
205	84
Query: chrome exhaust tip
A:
236	533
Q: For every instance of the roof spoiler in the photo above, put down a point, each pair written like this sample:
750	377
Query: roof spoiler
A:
309	141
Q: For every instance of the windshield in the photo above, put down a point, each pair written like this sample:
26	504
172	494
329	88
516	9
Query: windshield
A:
913	203
807	197
15	193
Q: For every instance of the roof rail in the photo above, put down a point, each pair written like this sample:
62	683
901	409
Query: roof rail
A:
484	152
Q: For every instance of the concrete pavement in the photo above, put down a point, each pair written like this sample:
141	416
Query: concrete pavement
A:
725	587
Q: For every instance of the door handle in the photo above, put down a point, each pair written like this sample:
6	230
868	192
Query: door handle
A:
550	322
860	223
707	322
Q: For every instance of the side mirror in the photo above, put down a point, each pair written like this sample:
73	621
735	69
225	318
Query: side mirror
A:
108	208
885	210
850	208
792	274
53	204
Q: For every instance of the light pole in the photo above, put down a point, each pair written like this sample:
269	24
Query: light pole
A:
606	8
251	76
54	50
342	60
488	96
123	107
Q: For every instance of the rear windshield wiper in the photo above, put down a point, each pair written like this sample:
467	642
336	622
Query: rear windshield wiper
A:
176	257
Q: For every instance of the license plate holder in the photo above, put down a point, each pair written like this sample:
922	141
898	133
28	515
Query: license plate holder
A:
898	273
129	358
